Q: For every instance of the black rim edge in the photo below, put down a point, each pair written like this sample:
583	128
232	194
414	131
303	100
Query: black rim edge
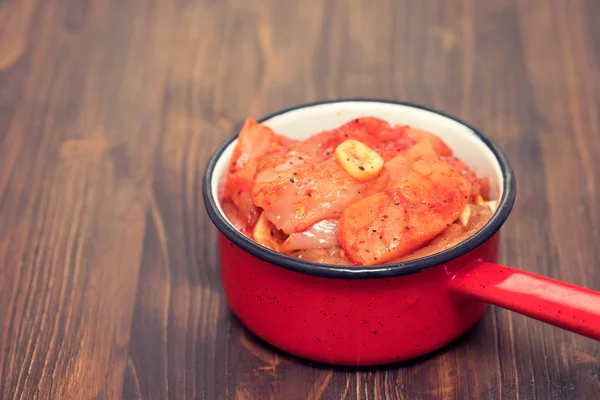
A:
380	271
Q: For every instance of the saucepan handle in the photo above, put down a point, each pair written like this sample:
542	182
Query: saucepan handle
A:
561	304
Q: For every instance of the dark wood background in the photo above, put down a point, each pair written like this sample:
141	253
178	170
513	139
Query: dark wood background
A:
109	109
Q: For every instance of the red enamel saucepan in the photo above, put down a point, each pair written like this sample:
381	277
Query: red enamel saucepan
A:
388	313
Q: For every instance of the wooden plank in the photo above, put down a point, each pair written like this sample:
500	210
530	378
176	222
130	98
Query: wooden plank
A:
109	110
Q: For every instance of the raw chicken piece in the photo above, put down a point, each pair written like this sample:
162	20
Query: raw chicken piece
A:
479	186
418	135
254	140
399	166
322	145
373	132
376	133
454	234
395	222
323	234
294	197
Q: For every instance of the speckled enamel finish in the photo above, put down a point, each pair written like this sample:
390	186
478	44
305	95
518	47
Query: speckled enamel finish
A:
558	303
350	321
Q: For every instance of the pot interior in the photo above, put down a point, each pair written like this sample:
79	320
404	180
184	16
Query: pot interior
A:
305	121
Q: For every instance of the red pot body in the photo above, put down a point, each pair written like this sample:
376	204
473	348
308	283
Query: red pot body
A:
351	321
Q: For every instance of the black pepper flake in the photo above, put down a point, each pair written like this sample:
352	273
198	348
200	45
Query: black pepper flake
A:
374	230
380	236
300	158
327	153
397	204
292	180
309	195
395	239
356	120
407	228
361	167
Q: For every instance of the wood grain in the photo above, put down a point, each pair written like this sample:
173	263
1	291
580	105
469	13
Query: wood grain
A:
109	110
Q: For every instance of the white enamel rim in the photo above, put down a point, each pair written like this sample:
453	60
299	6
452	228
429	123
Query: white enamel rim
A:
300	122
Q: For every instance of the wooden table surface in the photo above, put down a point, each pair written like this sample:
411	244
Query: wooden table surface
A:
109	110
